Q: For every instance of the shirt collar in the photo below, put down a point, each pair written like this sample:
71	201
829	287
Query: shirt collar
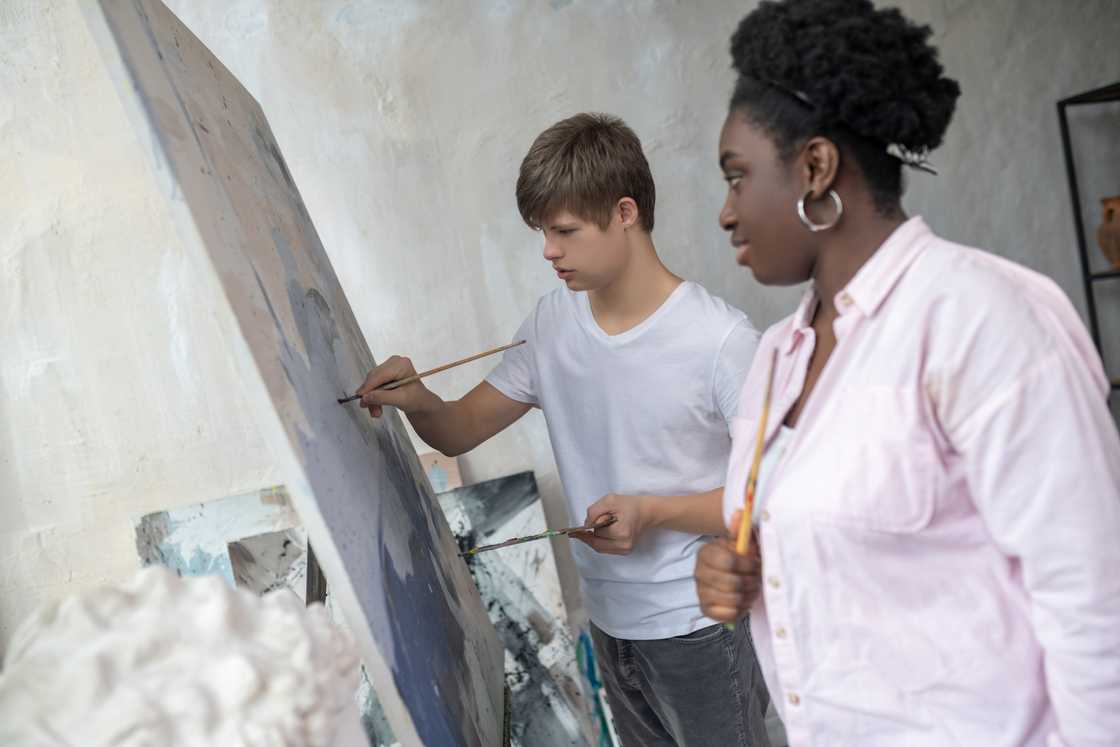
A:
802	318
877	278
870	287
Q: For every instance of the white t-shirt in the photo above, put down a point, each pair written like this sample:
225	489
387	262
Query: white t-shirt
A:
644	412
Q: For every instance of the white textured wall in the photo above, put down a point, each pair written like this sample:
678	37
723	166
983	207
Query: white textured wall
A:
1003	184
116	393
404	123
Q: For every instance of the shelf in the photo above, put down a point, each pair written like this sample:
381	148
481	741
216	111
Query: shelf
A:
1099	96
1088	277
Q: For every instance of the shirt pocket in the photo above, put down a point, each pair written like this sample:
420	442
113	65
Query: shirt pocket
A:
882	472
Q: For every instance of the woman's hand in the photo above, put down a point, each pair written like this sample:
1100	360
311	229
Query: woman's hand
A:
727	583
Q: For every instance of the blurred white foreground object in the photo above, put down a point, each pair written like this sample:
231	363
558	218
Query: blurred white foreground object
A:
163	660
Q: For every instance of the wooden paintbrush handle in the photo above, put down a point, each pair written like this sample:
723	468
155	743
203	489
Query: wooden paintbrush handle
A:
416	377
743	541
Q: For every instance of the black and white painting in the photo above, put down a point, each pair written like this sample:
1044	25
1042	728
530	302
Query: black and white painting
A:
521	589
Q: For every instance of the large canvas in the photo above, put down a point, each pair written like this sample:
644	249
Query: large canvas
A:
432	654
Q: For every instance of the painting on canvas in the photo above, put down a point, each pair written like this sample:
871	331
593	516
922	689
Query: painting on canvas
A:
432	654
254	540
521	589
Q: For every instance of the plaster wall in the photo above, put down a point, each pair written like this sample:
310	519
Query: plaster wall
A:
403	124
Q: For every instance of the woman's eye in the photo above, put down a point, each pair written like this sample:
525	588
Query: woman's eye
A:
733	180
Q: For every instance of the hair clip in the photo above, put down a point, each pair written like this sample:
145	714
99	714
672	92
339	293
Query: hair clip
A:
915	159
799	95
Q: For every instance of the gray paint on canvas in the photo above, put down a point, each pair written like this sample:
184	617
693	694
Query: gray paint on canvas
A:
432	654
269	562
491	504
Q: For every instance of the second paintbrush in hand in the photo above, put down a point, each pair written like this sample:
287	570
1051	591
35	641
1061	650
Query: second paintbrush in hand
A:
743	541
601	524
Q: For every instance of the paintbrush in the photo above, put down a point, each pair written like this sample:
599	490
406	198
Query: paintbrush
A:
602	523
743	541
416	377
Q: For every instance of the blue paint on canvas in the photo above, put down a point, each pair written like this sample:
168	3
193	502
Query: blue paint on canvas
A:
431	651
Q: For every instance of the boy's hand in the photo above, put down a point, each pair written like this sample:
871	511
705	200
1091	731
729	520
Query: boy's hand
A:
727	583
409	398
632	516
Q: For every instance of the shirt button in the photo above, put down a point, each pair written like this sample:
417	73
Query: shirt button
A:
793	699
766	516
780	632
774	582
845	299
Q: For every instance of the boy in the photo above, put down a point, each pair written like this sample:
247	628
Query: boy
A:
637	374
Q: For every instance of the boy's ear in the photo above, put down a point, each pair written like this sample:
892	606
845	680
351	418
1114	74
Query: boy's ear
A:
627	212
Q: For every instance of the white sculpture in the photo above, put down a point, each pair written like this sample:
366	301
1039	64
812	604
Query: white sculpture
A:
163	660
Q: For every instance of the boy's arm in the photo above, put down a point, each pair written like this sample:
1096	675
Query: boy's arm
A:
451	428
699	513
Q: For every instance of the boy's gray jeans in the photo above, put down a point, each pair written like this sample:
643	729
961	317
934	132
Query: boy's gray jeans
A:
696	690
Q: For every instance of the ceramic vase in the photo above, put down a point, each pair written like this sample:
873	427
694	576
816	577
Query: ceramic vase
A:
1108	235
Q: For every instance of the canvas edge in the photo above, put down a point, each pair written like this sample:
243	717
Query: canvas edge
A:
262	406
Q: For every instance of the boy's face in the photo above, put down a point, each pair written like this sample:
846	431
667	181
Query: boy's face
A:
585	256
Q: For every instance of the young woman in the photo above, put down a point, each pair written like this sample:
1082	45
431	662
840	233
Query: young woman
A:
938	550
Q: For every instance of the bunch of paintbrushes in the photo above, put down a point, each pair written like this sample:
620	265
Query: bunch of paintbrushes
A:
603	522
743	541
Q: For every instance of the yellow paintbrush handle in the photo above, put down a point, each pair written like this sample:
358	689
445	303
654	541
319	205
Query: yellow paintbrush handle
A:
743	541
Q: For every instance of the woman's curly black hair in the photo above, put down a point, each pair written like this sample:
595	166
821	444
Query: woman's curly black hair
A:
862	77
